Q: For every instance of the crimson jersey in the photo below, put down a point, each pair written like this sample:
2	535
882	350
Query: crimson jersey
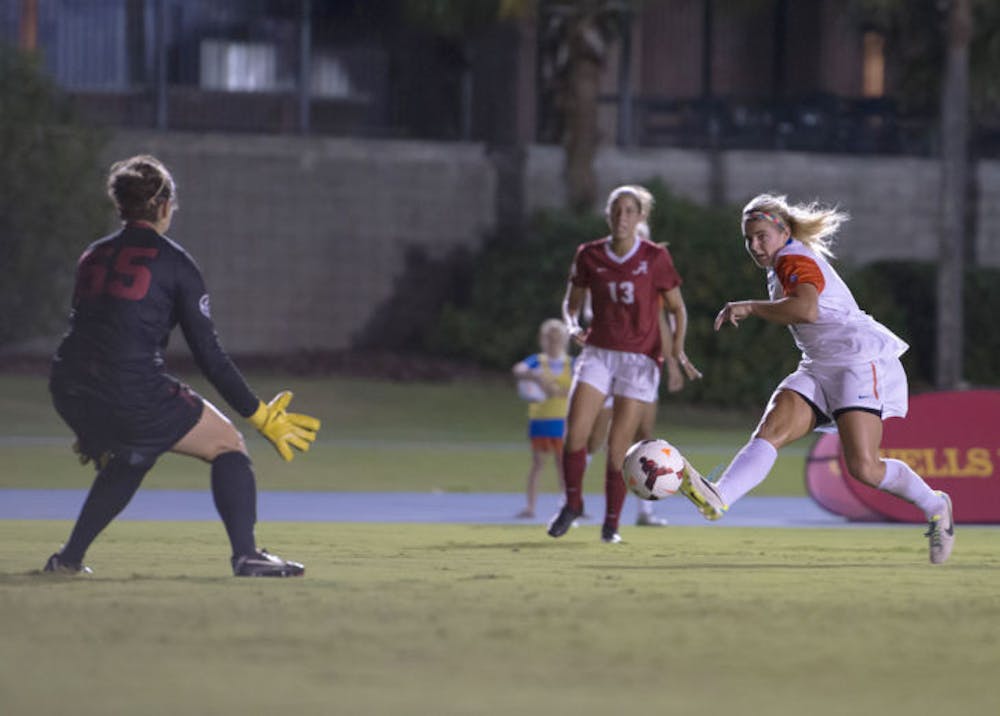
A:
625	292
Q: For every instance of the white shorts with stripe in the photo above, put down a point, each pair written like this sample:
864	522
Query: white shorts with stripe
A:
629	375
878	386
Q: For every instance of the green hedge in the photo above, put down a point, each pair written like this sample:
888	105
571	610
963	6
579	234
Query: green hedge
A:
51	199
517	284
903	296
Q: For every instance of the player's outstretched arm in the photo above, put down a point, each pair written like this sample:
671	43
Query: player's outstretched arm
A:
800	306
285	430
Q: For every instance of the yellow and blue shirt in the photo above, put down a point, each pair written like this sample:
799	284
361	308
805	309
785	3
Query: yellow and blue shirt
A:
547	418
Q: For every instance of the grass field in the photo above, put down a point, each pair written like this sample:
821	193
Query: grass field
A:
459	619
463	436
449	619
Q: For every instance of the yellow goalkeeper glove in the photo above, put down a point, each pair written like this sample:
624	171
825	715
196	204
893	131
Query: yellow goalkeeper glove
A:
284	429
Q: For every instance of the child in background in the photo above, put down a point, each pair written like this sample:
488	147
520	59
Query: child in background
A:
544	380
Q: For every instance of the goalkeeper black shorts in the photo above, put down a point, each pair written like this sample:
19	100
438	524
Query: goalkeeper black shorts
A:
139	432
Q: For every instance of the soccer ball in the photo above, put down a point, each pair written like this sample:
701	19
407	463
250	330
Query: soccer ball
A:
653	469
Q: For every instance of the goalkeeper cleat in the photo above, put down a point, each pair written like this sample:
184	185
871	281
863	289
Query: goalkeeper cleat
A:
702	493
58	565
609	535
941	532
561	523
264	564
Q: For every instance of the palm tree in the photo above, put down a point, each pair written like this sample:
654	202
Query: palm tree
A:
577	39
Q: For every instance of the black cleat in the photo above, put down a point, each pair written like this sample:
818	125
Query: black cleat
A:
264	564
610	535
57	565
561	523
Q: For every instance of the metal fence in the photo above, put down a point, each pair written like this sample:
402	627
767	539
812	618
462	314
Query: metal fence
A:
821	123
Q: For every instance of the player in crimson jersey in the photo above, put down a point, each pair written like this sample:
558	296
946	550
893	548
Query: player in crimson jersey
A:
850	378
110	385
627	277
646	517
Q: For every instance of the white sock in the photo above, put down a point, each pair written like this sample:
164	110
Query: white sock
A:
645	508
900	480
589	458
747	470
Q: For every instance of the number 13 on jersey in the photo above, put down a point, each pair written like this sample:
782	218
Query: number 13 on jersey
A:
622	292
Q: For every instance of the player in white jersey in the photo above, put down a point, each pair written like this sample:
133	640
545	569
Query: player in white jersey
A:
849	379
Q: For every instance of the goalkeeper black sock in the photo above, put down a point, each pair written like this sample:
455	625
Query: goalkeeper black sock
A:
235	493
113	487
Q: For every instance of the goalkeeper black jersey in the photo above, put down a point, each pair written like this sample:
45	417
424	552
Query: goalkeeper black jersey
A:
132	289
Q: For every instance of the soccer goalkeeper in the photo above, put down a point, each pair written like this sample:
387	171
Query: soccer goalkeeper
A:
110	385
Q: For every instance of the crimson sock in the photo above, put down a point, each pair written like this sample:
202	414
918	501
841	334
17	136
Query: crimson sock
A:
574	465
614	495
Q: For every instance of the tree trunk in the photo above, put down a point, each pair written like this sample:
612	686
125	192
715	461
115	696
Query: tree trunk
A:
587	53
954	169
27	35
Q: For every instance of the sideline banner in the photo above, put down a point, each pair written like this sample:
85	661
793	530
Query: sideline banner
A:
951	439
826	482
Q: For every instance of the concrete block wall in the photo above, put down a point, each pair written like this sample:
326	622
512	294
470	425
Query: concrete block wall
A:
893	201
988	214
687	173
300	239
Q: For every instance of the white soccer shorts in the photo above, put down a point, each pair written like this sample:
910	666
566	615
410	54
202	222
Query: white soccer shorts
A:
879	386
629	375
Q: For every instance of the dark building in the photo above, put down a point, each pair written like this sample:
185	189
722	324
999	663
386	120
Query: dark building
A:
808	75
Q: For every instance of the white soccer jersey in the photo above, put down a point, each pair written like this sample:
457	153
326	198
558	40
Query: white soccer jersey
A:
842	333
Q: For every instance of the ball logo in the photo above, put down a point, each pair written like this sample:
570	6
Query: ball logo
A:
652	470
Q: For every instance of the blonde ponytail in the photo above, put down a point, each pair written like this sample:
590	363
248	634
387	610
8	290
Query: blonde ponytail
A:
812	224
